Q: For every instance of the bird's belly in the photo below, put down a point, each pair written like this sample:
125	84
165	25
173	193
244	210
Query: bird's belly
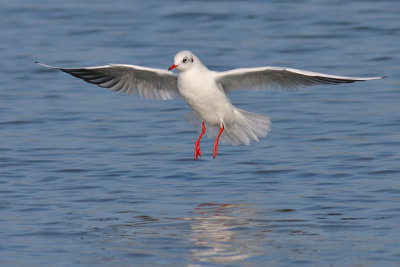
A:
213	108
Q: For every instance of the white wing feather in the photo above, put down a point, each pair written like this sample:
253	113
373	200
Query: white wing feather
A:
150	83
277	77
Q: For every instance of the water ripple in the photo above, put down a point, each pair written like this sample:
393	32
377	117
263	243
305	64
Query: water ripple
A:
92	177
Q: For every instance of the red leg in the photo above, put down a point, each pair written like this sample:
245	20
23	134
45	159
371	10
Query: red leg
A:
197	151
216	141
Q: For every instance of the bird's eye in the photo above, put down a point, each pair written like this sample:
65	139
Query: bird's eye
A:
185	60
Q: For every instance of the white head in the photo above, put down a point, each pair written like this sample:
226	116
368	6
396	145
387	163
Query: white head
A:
184	60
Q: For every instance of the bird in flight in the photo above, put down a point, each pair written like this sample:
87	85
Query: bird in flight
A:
205	91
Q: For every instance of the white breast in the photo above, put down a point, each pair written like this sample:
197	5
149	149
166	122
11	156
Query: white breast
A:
200	91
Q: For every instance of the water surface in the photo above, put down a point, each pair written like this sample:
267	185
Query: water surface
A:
93	177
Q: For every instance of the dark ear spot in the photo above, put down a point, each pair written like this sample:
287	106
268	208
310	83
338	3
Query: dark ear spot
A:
191	60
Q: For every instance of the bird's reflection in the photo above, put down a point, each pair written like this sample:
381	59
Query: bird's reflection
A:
220	232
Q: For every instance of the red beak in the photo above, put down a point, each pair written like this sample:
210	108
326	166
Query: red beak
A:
172	67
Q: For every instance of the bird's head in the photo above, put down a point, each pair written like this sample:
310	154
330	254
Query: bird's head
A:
184	60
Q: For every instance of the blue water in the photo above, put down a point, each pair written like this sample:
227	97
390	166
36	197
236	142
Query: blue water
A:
93	177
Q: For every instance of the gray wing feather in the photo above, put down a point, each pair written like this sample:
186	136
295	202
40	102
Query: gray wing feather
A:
277	77
147	82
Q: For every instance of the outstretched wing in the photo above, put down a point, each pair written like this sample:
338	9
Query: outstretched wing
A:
148	82
278	77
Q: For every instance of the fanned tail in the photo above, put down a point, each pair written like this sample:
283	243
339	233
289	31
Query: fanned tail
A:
247	126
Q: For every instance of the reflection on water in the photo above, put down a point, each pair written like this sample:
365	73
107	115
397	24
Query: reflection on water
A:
219	233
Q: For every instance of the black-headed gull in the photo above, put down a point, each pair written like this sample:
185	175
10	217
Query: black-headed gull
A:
205	91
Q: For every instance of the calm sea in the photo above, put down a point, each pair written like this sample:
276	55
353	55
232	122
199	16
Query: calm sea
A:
90	177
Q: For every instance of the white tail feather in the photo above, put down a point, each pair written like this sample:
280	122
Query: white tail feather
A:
247	126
